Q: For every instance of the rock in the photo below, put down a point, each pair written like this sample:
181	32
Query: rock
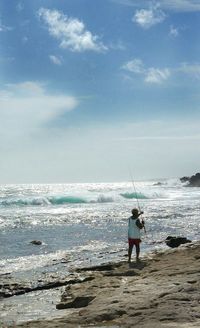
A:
173	241
78	302
102	267
185	179
8	290
158	184
109	315
193	181
36	242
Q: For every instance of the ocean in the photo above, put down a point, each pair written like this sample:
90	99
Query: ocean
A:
86	224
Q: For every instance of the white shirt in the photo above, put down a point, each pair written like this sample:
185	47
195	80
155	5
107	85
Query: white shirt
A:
133	230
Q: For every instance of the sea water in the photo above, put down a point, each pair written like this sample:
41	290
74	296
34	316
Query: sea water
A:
86	224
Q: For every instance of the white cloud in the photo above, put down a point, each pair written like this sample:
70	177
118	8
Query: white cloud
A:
134	66
174	32
172	5
155	75
150	75
146	18
119	45
71	32
20	6
55	60
26	107
26	88
190	69
4	28
181	5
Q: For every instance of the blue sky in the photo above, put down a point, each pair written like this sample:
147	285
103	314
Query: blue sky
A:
91	88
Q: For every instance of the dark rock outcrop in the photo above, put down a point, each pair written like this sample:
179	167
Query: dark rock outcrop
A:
11	289
102	267
185	179
193	181
36	242
173	241
78	302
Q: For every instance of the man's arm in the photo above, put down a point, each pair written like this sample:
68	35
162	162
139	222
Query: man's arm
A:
139	224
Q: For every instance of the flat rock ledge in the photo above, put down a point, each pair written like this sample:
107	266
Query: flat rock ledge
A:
161	291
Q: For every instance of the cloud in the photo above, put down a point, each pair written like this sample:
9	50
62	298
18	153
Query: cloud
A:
4	28
26	107
190	69
20	6
174	32
150	75
135	66
155	75
146	18
181	5
119	45
55	60
70	32
171	5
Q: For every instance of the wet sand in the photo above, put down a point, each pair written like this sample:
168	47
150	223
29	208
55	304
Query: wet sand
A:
161	291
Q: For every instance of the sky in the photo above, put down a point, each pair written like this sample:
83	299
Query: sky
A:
91	90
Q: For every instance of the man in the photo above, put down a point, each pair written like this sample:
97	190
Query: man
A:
134	234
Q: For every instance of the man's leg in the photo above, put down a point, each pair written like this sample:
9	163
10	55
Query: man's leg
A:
137	251
130	249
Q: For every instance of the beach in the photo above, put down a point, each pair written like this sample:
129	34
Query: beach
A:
162	290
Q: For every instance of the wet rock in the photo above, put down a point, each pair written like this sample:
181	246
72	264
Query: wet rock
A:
102	267
129	273
193	181
8	290
36	242
173	241
158	184
78	302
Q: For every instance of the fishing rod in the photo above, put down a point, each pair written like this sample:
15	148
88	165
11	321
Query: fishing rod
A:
136	195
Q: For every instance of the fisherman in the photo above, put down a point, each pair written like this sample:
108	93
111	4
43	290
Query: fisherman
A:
134	234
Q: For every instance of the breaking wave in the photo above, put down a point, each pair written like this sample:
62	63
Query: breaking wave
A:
133	195
59	200
53	200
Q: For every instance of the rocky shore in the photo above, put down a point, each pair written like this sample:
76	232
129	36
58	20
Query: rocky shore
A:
193	181
162	290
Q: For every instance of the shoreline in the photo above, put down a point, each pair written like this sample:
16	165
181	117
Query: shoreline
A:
160	291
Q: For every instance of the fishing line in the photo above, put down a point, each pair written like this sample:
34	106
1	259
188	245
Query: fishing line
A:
135	191
136	195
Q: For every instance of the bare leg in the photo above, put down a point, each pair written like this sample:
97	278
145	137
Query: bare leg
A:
130	249
137	251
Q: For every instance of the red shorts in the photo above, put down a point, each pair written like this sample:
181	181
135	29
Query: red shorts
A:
133	242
